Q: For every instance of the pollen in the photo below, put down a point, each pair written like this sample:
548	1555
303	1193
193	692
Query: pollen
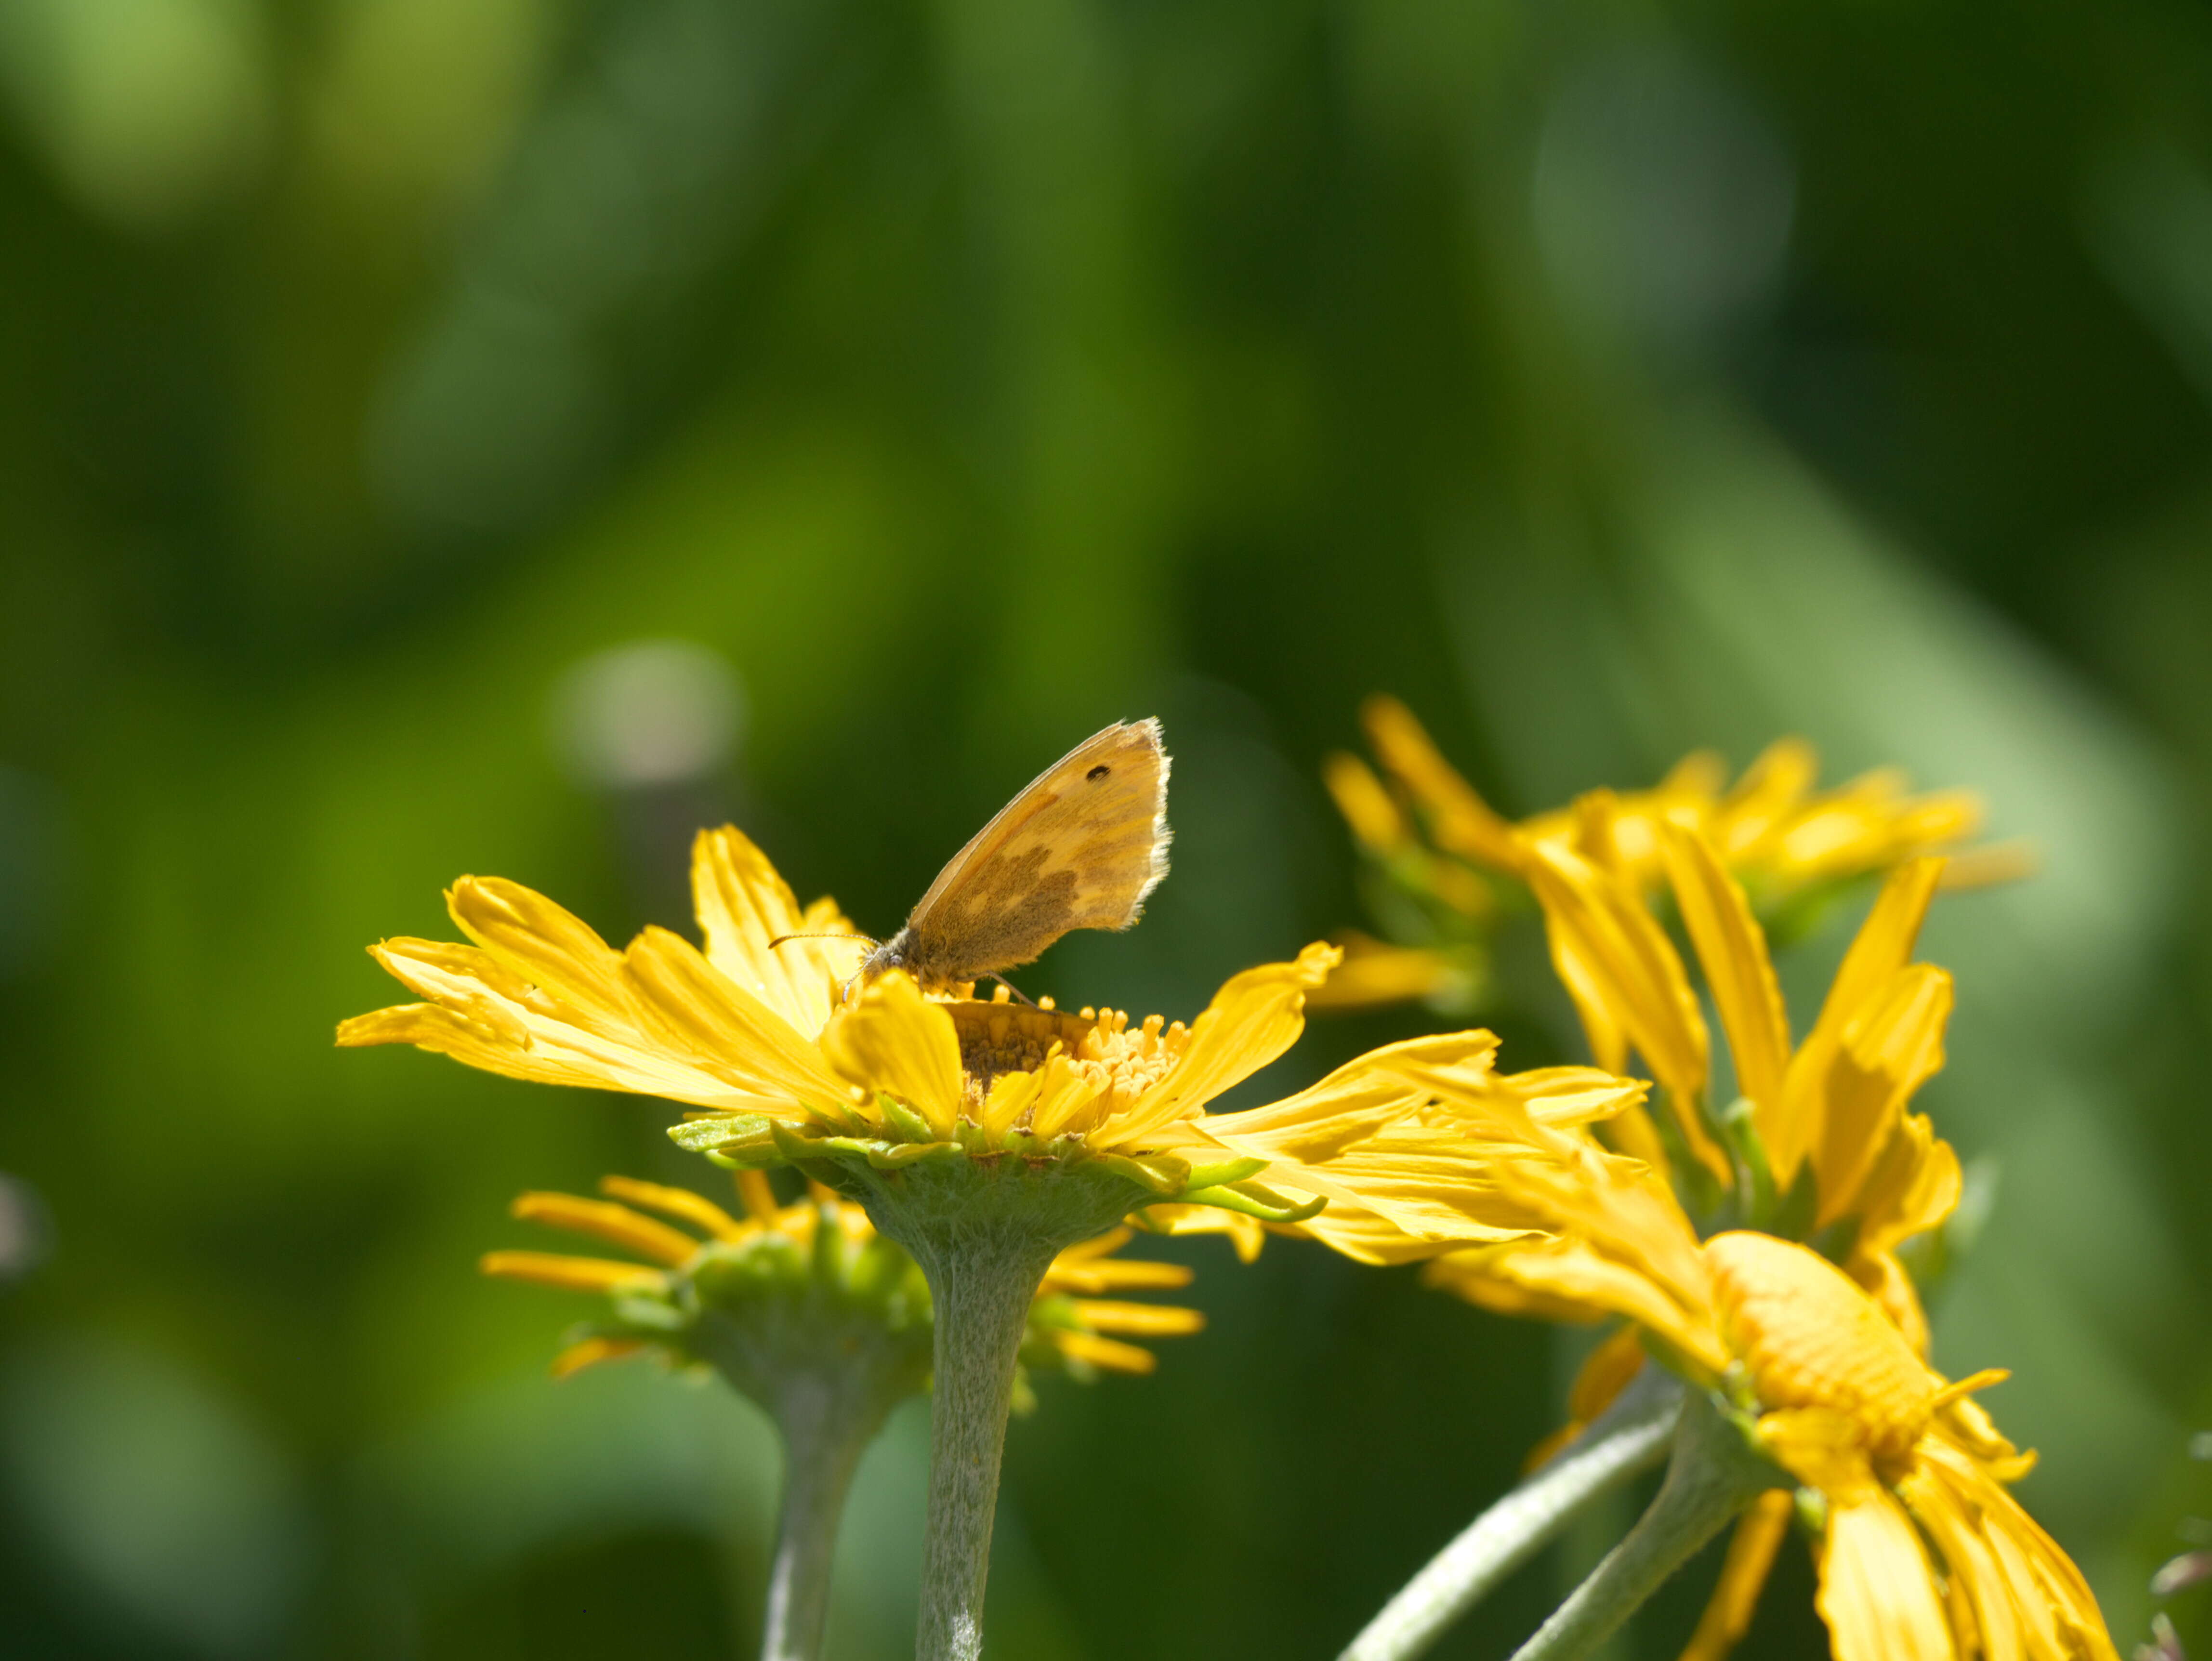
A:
1116	1062
1810	1338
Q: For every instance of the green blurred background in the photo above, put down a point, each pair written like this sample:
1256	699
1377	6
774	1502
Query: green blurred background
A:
497	436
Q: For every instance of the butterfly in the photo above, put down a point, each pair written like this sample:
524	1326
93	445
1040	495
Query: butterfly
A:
1079	848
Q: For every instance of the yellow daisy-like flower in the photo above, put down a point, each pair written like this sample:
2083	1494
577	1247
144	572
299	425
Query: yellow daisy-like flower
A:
1922	1555
769	1255
781	1067
984	1138
1822	1134
1459	865
1774	830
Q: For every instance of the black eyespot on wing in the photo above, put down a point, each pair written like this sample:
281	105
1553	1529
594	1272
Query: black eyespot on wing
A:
1097	772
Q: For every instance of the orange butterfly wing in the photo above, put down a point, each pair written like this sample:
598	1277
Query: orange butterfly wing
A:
1079	848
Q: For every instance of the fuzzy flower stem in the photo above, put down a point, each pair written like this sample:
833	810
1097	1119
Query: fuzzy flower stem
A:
1712	1477
1630	1436
825	1430
981	1286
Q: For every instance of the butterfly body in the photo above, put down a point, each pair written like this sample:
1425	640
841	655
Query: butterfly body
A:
1081	848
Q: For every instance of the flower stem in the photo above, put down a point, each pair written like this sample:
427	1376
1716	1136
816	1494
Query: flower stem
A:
1630	1436
981	1285
825	1430
1712	1477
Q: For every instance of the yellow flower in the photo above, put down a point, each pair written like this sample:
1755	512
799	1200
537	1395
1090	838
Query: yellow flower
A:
1829	1138
782	1066
1922	1555
1772	828
821	1247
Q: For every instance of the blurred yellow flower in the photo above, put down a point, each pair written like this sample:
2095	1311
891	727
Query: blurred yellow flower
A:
1773	829
1453	864
819	1245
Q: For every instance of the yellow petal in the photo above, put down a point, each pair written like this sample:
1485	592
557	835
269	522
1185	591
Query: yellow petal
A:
1108	1353
1246	1234
1771	788
1913	1187
1373	974
1253	1019
699	1012
896	1041
554	1269
591	1351
1886	1055
1810	1338
743	904
1878	1589
549	947
1357	1099
681	1204
1733	950
1883	947
1366	806
1138	1320
1603	938
618	1225
1461	821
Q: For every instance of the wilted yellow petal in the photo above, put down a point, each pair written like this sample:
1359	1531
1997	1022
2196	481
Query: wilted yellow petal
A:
1812	1339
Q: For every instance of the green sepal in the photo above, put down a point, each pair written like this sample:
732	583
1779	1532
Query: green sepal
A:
725	1133
895	1156
909	1124
1223	1171
1254	1200
1162	1174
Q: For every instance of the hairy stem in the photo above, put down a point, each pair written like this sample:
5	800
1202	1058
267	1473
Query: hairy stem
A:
1630	1436
981	1285
826	1429
1712	1477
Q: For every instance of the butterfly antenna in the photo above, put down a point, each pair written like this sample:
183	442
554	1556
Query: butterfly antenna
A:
864	940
